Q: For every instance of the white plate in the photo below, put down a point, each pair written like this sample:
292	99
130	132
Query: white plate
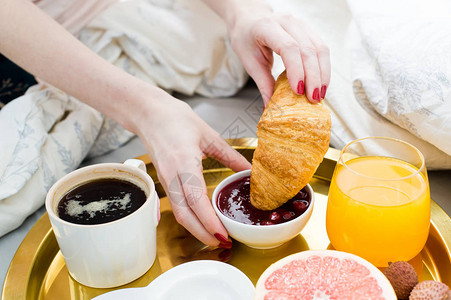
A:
202	279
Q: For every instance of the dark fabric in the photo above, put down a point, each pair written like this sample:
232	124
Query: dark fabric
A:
14	81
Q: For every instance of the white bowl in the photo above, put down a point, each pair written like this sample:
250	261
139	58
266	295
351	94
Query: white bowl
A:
261	236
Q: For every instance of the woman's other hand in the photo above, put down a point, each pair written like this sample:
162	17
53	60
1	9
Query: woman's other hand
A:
256	32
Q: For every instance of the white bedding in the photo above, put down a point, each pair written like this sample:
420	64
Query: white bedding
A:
401	68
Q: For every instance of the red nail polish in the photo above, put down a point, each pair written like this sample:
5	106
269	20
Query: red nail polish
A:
323	91
221	238
301	87
316	95
227	245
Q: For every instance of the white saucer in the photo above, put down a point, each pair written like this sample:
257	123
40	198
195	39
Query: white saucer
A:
202	279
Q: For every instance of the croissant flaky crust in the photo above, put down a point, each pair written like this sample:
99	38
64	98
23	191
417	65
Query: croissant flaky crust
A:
293	137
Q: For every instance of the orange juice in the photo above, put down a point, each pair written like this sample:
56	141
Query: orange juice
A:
381	214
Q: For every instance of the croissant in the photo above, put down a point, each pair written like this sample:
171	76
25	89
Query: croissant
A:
293	137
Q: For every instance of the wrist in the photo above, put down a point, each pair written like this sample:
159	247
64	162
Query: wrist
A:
231	10
246	10
131	102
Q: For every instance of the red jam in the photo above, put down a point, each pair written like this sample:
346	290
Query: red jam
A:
234	202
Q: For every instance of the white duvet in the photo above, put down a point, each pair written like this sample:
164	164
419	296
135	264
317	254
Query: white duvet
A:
401	69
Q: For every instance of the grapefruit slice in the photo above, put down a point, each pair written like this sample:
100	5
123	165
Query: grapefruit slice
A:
323	274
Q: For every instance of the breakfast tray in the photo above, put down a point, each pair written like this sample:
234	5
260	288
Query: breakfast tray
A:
38	271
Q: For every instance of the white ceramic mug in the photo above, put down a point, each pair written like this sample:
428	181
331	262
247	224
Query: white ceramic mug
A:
114	253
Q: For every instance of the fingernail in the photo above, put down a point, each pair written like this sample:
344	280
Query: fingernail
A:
316	95
301	87
225	255
221	238
323	91
227	245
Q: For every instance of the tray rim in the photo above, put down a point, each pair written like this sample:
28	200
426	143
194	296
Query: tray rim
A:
41	238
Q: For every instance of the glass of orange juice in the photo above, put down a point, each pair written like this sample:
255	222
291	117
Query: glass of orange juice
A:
379	203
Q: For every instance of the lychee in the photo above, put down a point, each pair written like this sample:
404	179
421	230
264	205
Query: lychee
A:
430	290
402	277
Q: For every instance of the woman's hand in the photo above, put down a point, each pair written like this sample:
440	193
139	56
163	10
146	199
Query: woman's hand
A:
256	32
177	140
255	36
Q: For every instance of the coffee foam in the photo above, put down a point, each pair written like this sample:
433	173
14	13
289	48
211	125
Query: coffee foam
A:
74	208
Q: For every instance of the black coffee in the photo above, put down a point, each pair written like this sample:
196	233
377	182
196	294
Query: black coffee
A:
100	201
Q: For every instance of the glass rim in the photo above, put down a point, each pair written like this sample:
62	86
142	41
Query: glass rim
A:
420	155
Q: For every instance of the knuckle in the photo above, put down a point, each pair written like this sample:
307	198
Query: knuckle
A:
308	51
288	46
194	195
284	16
181	157
260	28
259	34
323	50
180	217
288	18
265	21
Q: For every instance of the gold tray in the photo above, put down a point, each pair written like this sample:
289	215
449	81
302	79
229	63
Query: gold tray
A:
38	271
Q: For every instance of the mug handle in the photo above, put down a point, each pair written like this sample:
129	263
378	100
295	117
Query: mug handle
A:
141	165
137	163
157	209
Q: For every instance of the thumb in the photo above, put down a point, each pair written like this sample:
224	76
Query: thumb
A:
260	71
220	150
